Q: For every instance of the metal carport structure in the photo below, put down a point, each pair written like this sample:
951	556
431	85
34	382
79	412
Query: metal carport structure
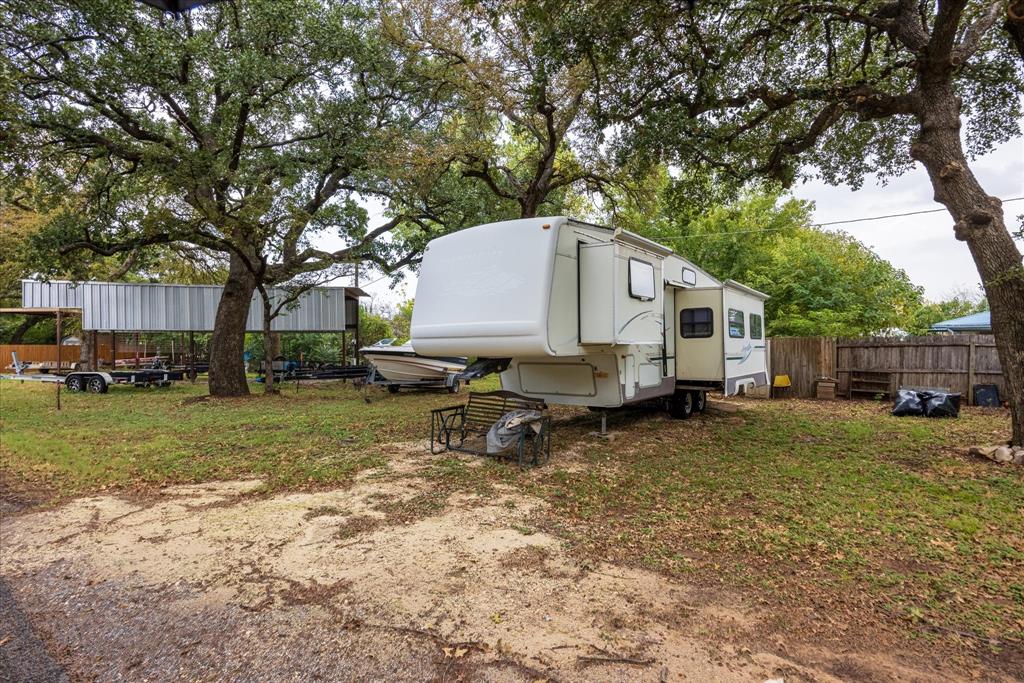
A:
160	307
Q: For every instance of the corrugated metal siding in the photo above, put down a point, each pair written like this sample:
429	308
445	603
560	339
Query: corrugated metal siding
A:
53	294
132	307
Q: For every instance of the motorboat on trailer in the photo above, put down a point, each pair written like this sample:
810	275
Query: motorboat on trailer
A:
400	363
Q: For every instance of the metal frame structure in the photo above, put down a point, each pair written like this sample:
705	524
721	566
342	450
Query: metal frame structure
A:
120	307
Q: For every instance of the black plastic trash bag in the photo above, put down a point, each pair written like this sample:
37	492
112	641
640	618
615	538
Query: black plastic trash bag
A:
941	404
908	402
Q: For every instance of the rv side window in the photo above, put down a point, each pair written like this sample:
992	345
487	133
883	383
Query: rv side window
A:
696	323
755	326
641	280
736	330
689	276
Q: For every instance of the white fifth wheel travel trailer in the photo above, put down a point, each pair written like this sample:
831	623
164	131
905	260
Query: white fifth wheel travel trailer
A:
588	315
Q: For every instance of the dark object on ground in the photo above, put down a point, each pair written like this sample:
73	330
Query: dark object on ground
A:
451	428
908	402
987	395
927	402
23	657
941	404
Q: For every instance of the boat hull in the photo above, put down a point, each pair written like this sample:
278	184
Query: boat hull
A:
399	365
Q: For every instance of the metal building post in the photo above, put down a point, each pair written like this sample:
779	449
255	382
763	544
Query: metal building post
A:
192	356
58	340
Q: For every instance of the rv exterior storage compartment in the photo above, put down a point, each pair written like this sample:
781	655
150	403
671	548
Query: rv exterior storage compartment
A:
621	293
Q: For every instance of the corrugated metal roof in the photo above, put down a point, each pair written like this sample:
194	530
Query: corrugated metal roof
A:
975	322
53	294
158	307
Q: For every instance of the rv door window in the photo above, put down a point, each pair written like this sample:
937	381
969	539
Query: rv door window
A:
736	329
696	323
755	326
641	280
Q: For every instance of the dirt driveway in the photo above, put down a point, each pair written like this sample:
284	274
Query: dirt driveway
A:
373	582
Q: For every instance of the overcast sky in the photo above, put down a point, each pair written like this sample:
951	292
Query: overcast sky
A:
923	245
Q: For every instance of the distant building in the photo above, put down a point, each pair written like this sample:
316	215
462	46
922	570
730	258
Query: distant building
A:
976	323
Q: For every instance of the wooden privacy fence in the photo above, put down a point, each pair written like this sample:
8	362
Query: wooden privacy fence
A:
43	353
880	365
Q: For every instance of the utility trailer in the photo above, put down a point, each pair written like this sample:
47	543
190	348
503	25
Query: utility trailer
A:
581	314
285	371
97	382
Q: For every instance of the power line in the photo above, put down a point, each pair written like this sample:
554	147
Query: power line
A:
821	225
899	215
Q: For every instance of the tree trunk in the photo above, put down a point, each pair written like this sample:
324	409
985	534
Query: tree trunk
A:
27	324
227	343
268	346
85	351
980	223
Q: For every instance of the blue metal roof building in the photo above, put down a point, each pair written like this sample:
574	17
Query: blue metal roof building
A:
977	323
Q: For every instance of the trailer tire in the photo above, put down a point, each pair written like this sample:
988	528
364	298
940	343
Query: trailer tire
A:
680	405
393	388
700	401
74	383
454	387
96	385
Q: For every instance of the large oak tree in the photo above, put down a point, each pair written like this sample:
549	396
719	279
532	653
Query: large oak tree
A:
244	128
841	88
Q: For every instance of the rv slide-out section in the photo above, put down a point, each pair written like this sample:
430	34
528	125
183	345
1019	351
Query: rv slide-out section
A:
586	315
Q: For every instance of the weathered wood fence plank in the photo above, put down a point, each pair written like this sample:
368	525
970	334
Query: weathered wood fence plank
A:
955	362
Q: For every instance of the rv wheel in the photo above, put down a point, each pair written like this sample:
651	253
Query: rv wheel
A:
73	383
393	388
700	401
680	406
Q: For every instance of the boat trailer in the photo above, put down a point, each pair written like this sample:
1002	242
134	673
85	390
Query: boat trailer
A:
97	382
452	381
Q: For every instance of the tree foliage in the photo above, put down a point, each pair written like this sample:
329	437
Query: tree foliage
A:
243	128
956	304
839	89
820	283
523	111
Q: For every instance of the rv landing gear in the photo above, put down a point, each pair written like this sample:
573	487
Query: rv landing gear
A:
683	404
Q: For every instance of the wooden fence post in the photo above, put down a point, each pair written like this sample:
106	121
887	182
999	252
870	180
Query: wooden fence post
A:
970	372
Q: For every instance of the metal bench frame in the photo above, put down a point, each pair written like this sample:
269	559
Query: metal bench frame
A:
449	427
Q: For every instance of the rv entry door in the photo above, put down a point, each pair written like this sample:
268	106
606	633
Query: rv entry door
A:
698	335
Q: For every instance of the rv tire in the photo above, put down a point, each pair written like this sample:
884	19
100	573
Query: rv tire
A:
700	401
393	388
680	405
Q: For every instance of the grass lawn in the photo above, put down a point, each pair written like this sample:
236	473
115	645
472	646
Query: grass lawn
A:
835	515
318	433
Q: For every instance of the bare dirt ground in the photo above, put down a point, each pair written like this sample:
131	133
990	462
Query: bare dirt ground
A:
378	581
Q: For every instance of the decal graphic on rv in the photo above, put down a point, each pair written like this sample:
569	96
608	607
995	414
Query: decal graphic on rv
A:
585	314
